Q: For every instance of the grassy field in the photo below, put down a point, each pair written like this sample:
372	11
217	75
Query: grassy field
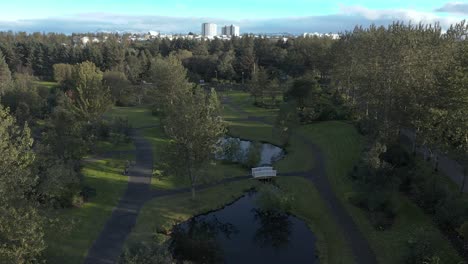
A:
139	116
70	238
342	145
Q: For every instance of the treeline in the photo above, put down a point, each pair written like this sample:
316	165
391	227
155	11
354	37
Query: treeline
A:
407	77
36	54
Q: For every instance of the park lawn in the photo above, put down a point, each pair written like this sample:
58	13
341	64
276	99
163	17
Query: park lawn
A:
342	146
138	116
246	102
70	238
106	146
48	85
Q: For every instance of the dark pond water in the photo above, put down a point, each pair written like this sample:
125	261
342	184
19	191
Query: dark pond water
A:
241	233
268	153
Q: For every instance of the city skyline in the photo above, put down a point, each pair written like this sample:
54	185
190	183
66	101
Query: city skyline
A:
258	16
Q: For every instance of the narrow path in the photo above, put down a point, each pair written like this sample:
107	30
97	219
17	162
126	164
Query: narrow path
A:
360	247
108	246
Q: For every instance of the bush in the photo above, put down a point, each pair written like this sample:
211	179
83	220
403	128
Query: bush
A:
232	150
253	155
451	212
146	254
271	198
420	247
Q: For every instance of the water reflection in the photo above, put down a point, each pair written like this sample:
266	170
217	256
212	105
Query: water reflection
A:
274	228
196	240
237	150
242	233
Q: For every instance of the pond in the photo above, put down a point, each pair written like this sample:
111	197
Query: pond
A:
242	233
239	150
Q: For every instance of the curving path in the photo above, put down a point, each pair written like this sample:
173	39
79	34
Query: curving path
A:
360	247
108	246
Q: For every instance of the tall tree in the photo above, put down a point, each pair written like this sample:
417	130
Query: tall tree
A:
5	74
21	229
90	97
195	125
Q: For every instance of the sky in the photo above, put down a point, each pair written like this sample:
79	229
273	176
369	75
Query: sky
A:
253	16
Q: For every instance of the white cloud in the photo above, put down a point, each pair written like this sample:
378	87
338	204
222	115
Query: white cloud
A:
454	7
346	19
405	15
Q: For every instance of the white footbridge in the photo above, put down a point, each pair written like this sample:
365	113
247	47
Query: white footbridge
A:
263	173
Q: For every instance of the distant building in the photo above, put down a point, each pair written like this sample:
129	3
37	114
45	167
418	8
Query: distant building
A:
209	30
230	31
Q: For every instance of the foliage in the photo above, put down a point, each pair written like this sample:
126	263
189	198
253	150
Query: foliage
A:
191	117
5	74
21	226
253	155
272	198
420	247
90	99
146	254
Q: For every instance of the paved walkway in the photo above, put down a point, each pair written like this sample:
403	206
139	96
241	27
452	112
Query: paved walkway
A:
360	247
108	246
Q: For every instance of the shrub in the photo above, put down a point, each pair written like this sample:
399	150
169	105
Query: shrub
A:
253	155
271	198
146	254
420	247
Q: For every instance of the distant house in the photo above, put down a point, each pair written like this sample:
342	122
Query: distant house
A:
84	40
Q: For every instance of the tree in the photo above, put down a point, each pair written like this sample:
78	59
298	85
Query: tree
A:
5	74
194	124
169	80
21	228
90	97
63	72
118	85
258	84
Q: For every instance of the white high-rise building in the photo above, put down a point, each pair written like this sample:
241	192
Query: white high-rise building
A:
209	30
231	30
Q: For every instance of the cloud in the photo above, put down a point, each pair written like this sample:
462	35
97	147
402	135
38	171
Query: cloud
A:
454	7
346	19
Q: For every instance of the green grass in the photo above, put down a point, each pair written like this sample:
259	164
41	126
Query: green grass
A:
105	146
342	147
139	116
48	85
69	240
246	102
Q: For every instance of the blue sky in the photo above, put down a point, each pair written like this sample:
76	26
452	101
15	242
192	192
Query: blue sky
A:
260	16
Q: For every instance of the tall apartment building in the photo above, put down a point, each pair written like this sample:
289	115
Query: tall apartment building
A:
230	30
209	29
